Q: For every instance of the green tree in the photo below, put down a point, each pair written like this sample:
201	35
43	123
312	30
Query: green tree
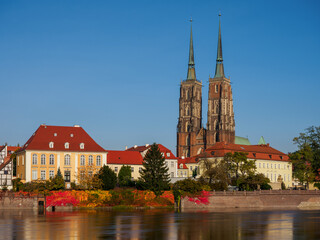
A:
302	165
57	182
216	173
108	177
124	176
238	166
154	174
311	138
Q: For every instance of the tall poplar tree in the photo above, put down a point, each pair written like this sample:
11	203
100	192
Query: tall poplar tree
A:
154	174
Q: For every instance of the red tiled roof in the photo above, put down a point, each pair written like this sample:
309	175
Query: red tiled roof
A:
124	157
183	162
5	162
264	152
138	148
161	147
59	135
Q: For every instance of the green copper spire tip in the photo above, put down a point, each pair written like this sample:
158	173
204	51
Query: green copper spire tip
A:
191	70
219	61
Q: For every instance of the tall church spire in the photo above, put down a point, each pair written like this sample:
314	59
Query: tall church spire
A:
191	70
219	62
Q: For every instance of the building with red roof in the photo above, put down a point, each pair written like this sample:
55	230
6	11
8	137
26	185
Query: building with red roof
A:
69	148
269	161
117	159
170	158
6	165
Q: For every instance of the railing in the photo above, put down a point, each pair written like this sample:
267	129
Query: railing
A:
265	192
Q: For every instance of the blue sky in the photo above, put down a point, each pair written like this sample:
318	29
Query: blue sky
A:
114	67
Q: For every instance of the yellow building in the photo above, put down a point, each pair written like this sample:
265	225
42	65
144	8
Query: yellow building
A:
52	147
274	164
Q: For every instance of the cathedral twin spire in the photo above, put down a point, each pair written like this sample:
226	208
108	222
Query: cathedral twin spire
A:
191	70
219	62
192	138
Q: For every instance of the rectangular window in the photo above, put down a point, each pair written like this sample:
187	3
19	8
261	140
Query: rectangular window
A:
116	169
190	168
168	154
259	165
172	164
267	165
34	174
271	165
43	175
22	160
275	166
82	175
51	173
140	169
172	174
263	165
6	172
279	166
132	169
67	176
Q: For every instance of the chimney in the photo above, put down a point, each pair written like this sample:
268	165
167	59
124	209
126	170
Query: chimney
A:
147	145
76	125
135	146
126	147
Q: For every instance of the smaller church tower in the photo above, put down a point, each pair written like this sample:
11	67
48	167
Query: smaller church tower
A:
190	134
221	125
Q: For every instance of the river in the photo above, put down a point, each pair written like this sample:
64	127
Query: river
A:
161	224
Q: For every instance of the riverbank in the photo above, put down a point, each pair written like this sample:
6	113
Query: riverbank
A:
303	199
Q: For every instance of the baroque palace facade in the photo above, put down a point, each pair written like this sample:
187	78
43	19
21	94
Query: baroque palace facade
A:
192	137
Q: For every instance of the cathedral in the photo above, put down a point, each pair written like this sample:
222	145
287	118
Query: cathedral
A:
192	137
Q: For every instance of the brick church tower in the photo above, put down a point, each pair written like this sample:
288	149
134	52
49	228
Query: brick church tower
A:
192	138
190	134
221	125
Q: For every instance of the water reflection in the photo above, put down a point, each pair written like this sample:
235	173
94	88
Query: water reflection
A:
160	224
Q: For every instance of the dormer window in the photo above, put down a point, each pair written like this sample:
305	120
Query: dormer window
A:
66	145
181	165
162	154
168	154
270	156
55	134
81	145
254	154
51	144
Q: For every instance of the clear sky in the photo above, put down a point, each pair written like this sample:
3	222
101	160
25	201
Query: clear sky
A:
114	67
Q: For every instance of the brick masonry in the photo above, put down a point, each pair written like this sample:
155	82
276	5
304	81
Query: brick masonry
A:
12	201
258	199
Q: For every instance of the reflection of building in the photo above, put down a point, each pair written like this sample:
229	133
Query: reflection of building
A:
51	147
192	138
6	165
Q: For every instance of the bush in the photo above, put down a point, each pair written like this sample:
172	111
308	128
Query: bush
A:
188	185
317	184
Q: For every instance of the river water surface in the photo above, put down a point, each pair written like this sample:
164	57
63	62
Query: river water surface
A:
160	224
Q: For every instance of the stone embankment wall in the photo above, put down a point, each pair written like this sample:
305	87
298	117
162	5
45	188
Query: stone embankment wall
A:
257	199
9	200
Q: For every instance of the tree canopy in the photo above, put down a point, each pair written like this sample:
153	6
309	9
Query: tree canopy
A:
108	178
154	174
124	176
307	157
